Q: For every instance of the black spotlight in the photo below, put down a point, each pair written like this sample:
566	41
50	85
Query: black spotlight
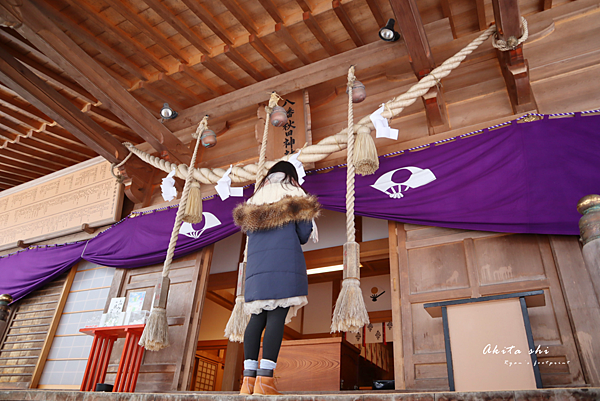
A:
167	113
387	33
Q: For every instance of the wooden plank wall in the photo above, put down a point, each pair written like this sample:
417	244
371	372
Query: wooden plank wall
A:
30	322
438	264
169	369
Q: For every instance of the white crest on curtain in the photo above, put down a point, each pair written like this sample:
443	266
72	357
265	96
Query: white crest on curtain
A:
418	178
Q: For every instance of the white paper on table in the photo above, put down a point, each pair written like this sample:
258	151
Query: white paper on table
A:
168	187
224	188
299	167
382	128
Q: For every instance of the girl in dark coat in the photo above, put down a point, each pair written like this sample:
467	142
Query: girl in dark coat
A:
277	219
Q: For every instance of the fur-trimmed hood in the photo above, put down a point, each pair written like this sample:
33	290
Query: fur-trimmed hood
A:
275	209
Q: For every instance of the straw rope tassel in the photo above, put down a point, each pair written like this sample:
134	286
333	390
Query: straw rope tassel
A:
156	333
350	312
236	325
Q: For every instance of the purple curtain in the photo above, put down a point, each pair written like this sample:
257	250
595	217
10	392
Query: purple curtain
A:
27	270
520	178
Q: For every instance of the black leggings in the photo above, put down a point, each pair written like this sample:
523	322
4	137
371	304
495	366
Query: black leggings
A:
272	322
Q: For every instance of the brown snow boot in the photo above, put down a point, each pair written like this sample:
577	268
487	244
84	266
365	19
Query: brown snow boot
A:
248	383
265	384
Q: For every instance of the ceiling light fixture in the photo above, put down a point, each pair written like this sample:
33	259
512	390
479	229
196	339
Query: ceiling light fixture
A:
167	113
387	33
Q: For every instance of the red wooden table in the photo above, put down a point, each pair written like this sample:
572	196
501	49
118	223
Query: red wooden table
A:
129	364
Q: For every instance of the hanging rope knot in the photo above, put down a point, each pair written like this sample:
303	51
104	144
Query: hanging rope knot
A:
119	177
511	43
201	127
438	82
351	78
272	102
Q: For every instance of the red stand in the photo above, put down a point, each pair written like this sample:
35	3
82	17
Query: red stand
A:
129	364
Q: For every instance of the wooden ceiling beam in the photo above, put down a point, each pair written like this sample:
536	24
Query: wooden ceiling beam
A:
78	148
29	122
272	9
179	26
199	79
219	300
12	182
220	72
32	175
239	14
267	54
515	67
96	43
17	153
5	158
30	151
204	15
312	24
118	34
338	8
447	12
18	129
145	27
39	146
546	5
371	55
190	96
283	34
23	107
160	95
421	60
241	62
46	36
481	17
304	5
97	111
377	14
51	76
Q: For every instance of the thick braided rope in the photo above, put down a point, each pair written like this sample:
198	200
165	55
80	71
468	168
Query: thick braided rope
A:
182	203
504	46
350	229
331	144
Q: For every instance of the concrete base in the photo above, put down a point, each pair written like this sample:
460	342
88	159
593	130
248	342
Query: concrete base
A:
579	394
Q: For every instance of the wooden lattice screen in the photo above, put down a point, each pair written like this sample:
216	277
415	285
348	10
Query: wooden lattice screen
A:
27	330
206	374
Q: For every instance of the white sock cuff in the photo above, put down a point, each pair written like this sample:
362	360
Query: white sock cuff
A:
250	364
267	364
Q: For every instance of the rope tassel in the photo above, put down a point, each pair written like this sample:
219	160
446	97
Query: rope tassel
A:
350	312
156	333
366	160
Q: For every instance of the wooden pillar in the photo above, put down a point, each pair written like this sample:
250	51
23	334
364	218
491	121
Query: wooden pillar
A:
589	226
5	299
234	366
396	238
582	303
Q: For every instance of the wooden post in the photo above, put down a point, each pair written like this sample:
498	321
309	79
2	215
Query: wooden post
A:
589	226
5	299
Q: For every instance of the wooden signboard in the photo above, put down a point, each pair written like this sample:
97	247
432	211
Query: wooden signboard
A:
60	203
292	136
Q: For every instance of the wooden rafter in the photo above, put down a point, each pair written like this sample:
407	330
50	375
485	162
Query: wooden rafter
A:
188	94
30	151
272	10
118	34
340	12
145	27
447	10
199	80
59	154
179	26
304	5
159	95
46	36
413	32
22	106
376	11
220	72
17	152
18	129
201	12
481	17
24	172
96	43
312	24
9	159
51	76
30	123
268	55
515	68
239	14
370	55
96	110
282	32
241	62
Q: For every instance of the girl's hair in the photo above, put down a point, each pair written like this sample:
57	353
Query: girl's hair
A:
287	168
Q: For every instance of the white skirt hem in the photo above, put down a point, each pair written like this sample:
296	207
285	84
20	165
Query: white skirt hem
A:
294	303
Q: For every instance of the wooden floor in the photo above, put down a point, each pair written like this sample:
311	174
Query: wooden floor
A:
579	394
